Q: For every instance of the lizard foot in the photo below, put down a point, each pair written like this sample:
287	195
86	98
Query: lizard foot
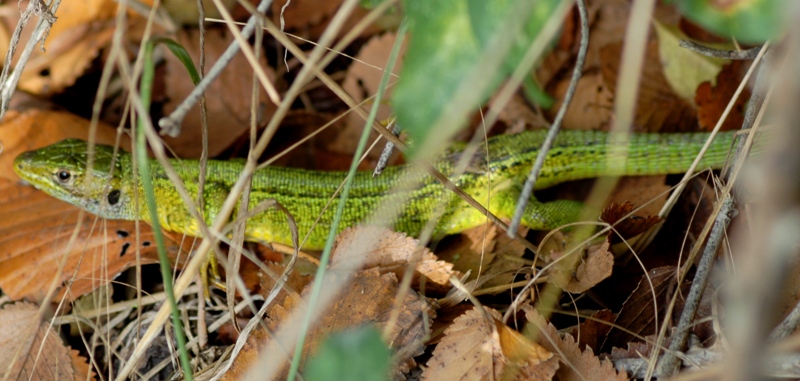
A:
210	265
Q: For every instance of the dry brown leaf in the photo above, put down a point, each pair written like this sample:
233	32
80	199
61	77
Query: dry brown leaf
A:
575	365
657	106
611	21
504	268
67	58
362	80
81	30
474	348
296	282
518	115
591	108
369	299
313	154
7	25
638	314
712	101
592	331
444	318
554	64
248	355
472	250
35	230
227	100
626	227
635	350
650	192
81	370
393	252
591	270
35	227
22	131
36	348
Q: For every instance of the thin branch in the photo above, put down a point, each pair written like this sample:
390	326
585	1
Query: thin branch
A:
739	55
669	363
527	189
171	124
10	80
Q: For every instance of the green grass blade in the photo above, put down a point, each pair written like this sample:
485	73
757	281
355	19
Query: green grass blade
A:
326	253
145	88
182	55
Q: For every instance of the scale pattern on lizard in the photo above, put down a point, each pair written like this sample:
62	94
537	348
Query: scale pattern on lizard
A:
495	182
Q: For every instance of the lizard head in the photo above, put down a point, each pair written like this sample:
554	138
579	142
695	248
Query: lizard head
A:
60	170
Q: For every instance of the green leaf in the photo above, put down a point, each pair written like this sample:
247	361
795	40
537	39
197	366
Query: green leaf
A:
749	21
182	55
358	354
448	41
685	69
487	16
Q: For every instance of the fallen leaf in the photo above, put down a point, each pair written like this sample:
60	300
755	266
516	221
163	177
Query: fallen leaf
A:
478	346
712	99
592	106
595	266
472	250
648	192
577	365
507	262
393	252
68	57
364	74
684	69
657	106
369	299
314	154
294	284
444	318
35	230
518	116
36	348
591	332
361	81
556	62
638	314
626	227
634	350
82	29
227	100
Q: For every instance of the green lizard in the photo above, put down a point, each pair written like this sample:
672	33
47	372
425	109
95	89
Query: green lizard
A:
60	169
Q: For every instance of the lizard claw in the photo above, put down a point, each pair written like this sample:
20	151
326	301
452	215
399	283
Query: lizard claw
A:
210	265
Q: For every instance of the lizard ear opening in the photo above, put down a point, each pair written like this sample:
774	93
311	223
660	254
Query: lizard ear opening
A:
113	197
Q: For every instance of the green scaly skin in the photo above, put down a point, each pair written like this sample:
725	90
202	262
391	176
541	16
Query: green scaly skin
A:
60	169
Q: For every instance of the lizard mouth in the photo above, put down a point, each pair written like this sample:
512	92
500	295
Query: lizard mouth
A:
26	168
22	165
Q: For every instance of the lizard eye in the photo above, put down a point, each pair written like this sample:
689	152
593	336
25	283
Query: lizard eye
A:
63	175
